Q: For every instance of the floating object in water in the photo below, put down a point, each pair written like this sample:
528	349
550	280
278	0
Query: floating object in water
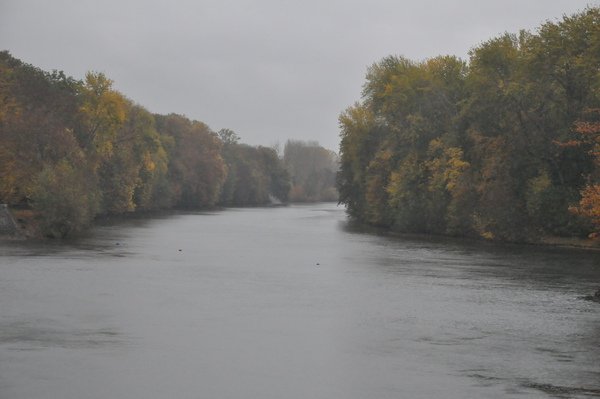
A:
593	298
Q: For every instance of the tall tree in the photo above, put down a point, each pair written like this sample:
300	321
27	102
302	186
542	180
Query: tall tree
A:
197	170
483	148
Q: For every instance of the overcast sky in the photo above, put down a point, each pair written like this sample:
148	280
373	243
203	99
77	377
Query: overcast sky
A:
268	69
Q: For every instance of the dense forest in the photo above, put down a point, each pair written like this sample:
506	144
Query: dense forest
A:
72	150
505	146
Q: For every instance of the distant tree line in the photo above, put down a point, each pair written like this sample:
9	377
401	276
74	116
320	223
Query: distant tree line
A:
71	150
506	146
256	175
312	169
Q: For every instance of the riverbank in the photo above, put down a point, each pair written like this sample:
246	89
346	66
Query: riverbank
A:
27	226
592	244
26	223
571	242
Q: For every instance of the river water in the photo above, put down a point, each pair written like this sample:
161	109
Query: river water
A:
292	302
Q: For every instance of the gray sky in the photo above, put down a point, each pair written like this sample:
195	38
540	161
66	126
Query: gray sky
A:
268	69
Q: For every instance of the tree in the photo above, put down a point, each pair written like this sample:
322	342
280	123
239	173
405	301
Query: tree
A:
312	171
64	200
255	175
483	148
360	138
37	118
197	170
103	111
589	204
228	137
130	173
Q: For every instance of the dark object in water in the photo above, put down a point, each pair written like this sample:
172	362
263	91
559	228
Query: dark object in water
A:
593	298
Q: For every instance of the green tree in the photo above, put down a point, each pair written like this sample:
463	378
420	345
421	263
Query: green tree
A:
64	199
130	173
37	117
482	148
256	175
103	111
196	169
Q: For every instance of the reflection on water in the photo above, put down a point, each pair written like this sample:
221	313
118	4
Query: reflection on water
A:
293	303
40	334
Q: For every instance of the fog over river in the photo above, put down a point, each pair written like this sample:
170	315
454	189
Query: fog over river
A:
292	302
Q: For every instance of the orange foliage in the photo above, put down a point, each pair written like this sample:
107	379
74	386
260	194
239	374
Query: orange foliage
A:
589	205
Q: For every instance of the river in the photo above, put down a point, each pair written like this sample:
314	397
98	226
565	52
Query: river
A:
292	302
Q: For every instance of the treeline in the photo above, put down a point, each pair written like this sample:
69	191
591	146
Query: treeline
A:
71	150
256	175
506	146
312	169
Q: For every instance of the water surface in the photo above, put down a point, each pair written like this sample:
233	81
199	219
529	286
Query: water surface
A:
292	303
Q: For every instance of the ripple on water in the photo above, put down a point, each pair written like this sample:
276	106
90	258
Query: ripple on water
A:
30	336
